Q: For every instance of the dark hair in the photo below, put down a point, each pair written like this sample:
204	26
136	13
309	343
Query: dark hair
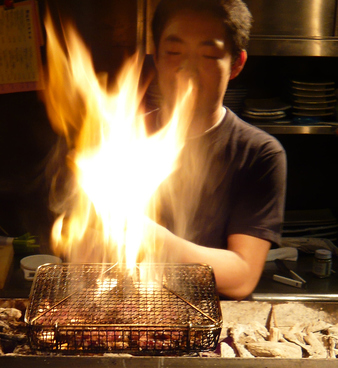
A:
234	14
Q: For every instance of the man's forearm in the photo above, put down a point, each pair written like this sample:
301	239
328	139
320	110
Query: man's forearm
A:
235	276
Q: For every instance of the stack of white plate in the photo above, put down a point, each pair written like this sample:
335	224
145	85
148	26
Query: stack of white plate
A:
234	98
265	110
313	98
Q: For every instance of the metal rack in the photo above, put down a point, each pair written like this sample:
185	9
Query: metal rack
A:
97	308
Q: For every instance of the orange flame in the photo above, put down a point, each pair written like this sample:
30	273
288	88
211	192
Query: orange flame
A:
116	165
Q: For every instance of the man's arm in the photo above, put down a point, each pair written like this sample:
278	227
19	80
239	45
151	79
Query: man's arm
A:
237	269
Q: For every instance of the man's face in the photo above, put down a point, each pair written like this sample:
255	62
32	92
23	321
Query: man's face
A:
194	44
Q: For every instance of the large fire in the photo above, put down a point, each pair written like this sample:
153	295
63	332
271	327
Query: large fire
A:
117	166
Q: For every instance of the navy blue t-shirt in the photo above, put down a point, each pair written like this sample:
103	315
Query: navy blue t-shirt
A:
230	180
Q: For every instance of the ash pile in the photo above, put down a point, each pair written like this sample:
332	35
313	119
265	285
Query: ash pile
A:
287	330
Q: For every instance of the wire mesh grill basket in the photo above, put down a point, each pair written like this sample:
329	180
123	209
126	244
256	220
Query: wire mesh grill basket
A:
96	308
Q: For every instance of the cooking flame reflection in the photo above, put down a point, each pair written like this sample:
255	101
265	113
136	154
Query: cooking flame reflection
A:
109	210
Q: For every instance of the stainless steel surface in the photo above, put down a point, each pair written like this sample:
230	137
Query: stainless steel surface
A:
310	18
293	28
160	362
292	46
325	129
294	297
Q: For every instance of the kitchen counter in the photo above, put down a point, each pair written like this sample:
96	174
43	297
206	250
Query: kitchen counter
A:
259	310
267	289
232	311
316	289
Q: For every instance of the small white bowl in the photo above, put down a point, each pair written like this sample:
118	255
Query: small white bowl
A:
30	264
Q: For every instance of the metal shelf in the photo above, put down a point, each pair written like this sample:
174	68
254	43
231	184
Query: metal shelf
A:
292	46
327	128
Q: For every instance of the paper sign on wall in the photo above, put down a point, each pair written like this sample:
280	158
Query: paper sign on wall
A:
20	41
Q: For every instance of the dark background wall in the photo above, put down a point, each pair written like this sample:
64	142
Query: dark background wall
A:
26	138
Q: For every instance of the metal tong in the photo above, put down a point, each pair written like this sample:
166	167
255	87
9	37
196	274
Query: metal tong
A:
291	278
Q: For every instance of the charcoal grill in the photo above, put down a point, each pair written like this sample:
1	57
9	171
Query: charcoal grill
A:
96	308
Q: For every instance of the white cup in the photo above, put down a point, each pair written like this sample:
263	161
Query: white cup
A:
30	264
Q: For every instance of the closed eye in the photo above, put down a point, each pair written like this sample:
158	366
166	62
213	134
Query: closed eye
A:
211	57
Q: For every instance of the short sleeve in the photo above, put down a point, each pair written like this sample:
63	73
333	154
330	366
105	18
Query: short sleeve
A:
259	196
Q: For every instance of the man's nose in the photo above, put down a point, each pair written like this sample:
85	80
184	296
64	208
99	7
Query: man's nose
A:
189	67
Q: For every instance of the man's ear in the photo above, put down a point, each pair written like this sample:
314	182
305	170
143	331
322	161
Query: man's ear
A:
238	64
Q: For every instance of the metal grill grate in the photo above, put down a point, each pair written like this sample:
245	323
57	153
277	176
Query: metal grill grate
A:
101	308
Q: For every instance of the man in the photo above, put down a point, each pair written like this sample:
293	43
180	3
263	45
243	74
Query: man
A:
224	205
